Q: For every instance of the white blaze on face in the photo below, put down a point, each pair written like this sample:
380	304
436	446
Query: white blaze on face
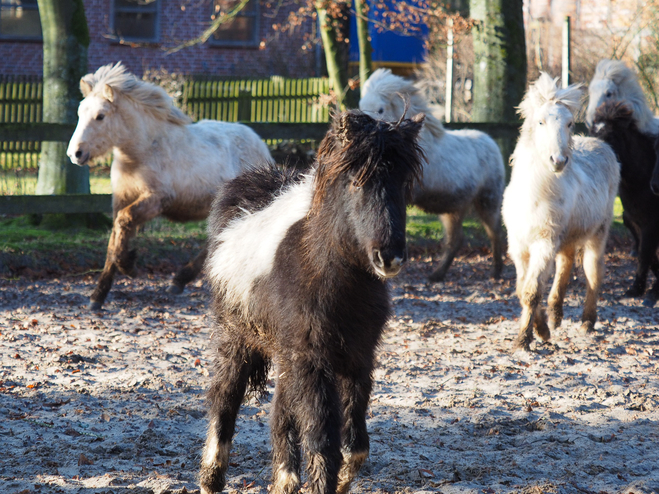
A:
92	137
247	246
553	135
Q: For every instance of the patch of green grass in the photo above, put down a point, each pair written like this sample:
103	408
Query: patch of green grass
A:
35	250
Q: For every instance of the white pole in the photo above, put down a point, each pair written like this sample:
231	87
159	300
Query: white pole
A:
448	113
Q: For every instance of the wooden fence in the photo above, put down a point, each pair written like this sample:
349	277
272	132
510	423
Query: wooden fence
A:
102	202
20	102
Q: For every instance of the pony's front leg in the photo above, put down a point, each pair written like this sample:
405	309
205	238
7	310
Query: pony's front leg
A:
188	272
233	365
105	280
285	437
355	392
145	208
647	252
453	238
564	263
318	414
530	293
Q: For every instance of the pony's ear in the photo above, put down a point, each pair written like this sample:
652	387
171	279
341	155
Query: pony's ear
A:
108	93
412	126
85	87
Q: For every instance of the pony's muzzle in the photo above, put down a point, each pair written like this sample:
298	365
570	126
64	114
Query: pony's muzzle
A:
387	265
559	162
78	157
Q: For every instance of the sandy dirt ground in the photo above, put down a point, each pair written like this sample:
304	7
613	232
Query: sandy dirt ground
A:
113	402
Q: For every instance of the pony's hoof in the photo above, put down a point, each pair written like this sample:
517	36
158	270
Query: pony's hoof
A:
587	327
436	277
175	289
523	345
649	301
95	305
543	332
634	292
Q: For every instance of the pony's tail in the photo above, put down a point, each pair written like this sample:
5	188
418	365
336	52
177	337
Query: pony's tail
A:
258	377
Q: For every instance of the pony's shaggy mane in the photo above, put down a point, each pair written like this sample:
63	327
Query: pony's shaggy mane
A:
358	144
154	99
630	91
387	84
546	90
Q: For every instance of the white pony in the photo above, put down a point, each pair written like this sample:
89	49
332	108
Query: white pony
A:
463	167
558	202
614	81
162	163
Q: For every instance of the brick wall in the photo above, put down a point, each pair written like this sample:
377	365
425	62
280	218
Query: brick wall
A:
282	55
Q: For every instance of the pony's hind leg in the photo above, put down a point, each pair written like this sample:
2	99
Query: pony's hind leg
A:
233	367
453	237
355	392
489	210
188	272
564	263
593	266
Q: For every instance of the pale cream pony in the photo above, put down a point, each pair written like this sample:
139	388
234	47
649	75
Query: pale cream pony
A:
559	201
463	168
614	81
162	163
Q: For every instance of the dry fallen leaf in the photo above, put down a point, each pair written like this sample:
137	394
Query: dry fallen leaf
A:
83	460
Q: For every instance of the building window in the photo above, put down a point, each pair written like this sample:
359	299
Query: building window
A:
242	30
19	19
135	20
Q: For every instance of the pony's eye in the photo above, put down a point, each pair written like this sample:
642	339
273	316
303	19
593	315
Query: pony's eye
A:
608	94
541	122
381	111
570	125
100	116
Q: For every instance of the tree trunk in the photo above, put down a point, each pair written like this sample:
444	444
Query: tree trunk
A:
500	59
65	42
365	50
499	62
337	69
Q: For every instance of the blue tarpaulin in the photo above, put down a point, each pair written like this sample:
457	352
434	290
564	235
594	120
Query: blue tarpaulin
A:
389	46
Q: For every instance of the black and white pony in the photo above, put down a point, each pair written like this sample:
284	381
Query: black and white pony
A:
297	264
614	123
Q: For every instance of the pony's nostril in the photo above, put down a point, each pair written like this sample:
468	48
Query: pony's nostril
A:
78	153
377	258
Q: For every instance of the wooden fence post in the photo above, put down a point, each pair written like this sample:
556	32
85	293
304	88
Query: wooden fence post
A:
244	106
565	79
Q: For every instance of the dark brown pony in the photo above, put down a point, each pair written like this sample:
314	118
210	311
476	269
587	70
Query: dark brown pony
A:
614	123
297	264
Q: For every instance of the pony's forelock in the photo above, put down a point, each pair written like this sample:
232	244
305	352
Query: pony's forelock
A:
154	99
546	90
357	143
